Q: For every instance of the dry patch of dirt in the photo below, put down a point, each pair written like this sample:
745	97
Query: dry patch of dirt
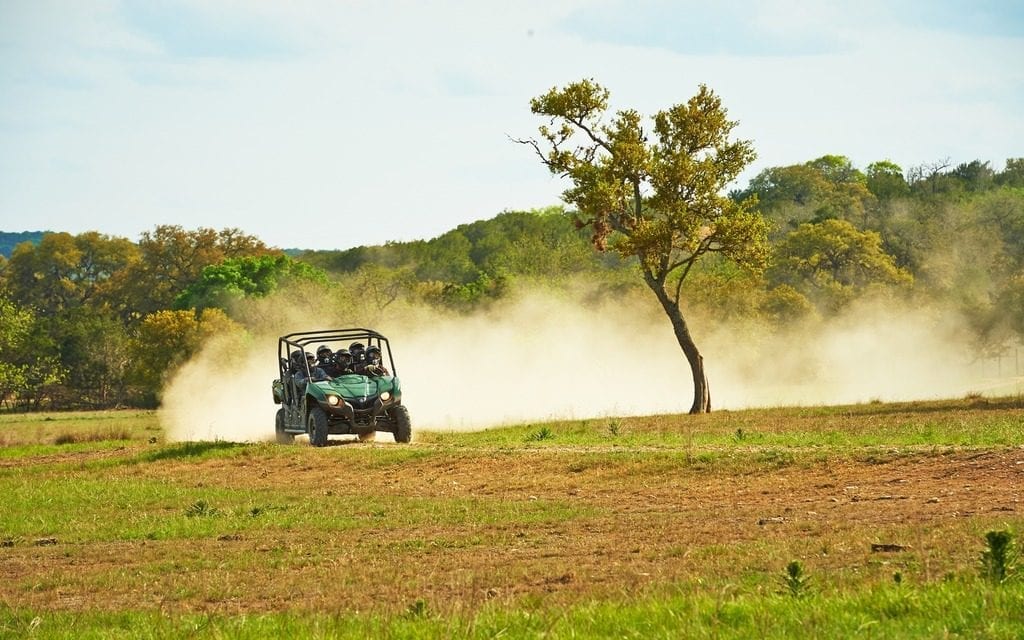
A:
631	525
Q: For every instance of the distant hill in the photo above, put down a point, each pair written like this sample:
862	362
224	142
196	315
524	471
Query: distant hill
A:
11	239
540	243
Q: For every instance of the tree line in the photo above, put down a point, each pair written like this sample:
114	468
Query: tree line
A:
92	320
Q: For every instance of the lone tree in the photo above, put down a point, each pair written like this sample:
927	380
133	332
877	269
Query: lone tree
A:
662	201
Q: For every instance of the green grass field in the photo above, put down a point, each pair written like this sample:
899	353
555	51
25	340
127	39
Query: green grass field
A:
866	521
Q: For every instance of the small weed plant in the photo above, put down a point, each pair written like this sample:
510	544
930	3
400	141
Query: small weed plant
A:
201	509
417	609
544	433
998	561
795	580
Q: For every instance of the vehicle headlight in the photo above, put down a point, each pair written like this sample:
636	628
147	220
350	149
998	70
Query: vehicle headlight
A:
384	397
333	400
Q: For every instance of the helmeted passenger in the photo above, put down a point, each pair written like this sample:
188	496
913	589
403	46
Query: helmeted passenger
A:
316	374
323	354
357	349
296	362
374	364
325	360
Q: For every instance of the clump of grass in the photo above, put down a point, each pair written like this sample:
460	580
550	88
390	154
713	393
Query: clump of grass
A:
201	509
544	433
614	426
93	436
776	458
998	561
417	609
795	580
262	510
190	450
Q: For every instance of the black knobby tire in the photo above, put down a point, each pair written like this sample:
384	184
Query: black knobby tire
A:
317	427
282	436
403	423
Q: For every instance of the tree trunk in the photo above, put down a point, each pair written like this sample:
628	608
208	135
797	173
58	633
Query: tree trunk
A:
701	390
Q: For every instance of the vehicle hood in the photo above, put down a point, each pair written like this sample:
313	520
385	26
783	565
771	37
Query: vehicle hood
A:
354	386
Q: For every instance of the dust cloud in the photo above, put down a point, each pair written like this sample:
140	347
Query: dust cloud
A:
871	353
223	393
544	357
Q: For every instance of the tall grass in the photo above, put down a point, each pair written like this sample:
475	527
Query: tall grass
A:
955	608
76	427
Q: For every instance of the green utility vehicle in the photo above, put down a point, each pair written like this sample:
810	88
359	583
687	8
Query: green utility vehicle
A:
338	381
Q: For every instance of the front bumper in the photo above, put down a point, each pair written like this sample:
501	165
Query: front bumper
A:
355	414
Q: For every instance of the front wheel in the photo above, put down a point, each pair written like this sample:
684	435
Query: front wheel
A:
282	436
403	423
316	425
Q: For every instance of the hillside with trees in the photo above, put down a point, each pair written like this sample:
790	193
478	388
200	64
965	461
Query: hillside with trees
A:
91	320
11	239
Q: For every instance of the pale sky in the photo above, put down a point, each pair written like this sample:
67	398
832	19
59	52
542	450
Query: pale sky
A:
332	124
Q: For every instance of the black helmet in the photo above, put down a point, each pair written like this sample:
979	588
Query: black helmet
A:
296	357
342	353
356	346
323	348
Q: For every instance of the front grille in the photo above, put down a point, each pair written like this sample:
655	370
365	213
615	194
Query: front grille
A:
362	404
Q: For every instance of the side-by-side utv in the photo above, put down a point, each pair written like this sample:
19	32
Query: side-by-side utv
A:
338	381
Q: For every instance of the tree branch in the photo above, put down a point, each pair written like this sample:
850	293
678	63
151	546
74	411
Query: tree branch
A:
536	149
590	134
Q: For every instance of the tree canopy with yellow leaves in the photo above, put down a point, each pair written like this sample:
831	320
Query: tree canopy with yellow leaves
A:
660	195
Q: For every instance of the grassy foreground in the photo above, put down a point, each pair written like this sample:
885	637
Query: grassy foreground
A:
865	520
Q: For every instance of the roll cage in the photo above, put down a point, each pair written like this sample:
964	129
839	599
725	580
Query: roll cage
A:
308	341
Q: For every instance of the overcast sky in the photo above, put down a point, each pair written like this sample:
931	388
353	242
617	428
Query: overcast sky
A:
332	124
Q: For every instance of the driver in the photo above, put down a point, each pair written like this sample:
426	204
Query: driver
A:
343	362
